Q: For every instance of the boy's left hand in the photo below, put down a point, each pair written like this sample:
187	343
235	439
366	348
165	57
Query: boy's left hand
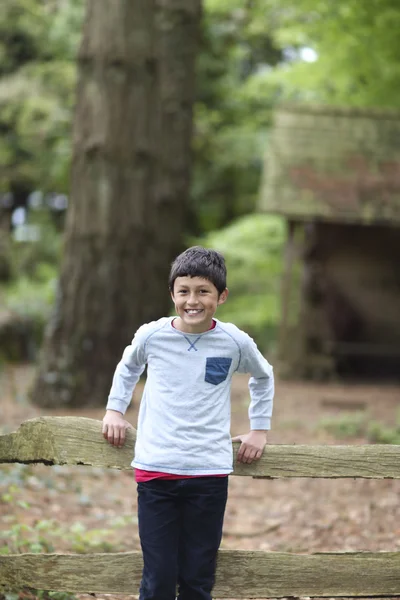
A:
252	445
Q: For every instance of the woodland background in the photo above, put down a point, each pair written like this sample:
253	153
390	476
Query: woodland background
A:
251	56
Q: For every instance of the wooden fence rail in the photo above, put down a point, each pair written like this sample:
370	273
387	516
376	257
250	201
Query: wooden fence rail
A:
240	574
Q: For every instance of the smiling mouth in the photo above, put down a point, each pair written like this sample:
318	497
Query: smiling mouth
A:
193	312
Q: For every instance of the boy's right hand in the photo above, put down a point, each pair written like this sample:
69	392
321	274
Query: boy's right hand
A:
114	428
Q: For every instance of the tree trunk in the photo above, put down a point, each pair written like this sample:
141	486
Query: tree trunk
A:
5	243
130	182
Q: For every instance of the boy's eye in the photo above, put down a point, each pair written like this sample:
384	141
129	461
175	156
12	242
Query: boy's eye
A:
182	292
204	291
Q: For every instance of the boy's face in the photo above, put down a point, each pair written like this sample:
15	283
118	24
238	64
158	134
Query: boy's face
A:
196	301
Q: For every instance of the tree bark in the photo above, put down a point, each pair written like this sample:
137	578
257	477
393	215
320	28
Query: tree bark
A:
130	183
5	242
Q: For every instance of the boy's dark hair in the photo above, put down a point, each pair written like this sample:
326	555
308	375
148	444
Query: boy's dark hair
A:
199	262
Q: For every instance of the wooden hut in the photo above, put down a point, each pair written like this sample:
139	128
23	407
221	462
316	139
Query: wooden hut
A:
334	174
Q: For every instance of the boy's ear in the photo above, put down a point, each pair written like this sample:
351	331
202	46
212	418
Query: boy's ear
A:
223	296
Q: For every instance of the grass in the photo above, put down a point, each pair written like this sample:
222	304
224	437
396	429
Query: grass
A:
359	425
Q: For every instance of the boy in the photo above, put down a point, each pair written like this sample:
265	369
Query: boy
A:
183	452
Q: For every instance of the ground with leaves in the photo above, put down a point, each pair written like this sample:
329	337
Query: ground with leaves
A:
82	509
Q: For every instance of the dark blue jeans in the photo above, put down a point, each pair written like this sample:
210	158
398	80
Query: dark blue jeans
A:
180	528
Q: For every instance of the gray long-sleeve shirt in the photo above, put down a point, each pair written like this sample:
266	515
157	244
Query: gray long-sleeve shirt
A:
184	416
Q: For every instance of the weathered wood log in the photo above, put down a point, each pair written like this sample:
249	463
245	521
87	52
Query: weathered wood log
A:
240	574
65	441
78	441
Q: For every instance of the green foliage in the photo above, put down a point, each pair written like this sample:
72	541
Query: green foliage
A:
29	296
380	434
39	41
46	595
356	425
250	58
47	535
22	28
44	535
37	260
31	594
36	108
32	300
253	57
252	246
232	113
347	425
357	45
20	538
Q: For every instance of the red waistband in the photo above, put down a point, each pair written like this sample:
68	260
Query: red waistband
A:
141	475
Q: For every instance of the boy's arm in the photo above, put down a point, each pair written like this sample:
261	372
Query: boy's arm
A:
126	376
261	386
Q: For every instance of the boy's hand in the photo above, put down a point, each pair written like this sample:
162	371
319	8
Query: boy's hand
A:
252	445
114	428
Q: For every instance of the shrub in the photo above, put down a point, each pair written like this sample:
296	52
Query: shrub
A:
354	425
253	248
28	298
349	425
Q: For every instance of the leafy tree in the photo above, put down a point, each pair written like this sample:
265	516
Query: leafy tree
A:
252	246
37	80
37	96
251	57
357	51
232	111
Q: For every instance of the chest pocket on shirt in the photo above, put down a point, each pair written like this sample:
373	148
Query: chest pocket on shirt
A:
217	369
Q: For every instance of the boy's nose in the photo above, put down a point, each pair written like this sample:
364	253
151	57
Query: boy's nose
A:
192	300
